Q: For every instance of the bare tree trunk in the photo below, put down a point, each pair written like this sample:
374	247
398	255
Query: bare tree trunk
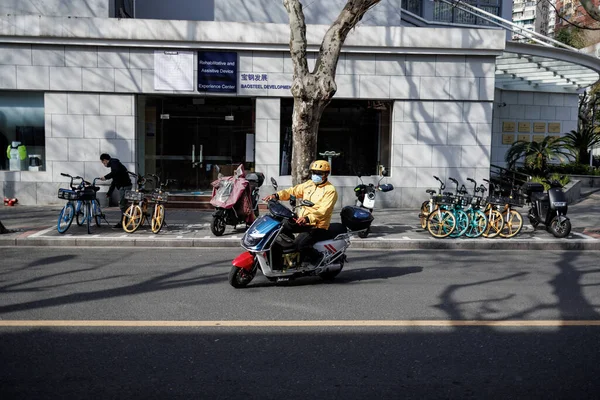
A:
3	229
314	90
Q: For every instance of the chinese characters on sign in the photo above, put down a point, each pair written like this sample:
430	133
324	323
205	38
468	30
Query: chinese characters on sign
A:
260	81
217	71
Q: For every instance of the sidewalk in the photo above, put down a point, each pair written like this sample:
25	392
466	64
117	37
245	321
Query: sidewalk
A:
391	229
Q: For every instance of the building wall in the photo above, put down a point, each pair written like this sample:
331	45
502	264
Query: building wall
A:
530	107
442	120
386	13
90	108
59	8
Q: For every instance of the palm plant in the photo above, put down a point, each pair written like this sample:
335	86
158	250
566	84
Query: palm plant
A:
581	141
537	154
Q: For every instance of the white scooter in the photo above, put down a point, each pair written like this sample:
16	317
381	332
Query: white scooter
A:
365	196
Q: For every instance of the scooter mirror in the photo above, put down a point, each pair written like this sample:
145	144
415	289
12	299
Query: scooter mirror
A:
307	203
274	183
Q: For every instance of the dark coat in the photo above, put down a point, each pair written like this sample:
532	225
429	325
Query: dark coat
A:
118	174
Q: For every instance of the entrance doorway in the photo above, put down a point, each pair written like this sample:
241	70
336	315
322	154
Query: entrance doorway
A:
193	139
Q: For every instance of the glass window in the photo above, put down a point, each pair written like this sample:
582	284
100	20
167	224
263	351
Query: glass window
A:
444	12
359	130
22	135
413	6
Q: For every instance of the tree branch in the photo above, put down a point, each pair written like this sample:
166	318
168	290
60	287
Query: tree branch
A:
297	37
559	15
332	43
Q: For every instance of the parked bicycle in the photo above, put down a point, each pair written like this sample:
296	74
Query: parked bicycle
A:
139	211
435	216
82	204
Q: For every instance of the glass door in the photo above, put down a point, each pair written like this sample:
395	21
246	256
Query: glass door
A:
198	138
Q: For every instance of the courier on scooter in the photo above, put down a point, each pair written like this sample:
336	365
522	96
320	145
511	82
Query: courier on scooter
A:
313	221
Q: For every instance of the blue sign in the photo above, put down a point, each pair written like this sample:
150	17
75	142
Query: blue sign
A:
217	71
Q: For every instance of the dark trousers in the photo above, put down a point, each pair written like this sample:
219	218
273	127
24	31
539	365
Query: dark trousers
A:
307	235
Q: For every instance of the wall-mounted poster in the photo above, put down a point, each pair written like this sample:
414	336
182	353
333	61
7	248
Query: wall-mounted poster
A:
173	70
539	127
554	127
538	138
508	138
524	126
508	126
523	138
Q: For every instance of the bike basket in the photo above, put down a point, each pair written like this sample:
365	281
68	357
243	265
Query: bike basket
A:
497	200
443	199
87	193
463	200
477	201
67	194
132	195
162	197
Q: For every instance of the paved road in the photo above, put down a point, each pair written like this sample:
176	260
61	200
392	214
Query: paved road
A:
261	357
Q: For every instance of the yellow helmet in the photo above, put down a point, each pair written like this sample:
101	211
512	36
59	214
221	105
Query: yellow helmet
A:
320	165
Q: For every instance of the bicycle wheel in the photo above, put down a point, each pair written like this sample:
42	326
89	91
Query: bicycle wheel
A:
65	218
96	212
513	222
423	214
478	223
132	219
495	224
80	212
158	218
441	223
88	219
462	223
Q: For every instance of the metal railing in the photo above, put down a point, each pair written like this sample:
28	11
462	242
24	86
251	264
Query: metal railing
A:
507	25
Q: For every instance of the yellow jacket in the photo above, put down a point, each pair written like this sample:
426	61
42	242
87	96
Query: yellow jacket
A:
324	196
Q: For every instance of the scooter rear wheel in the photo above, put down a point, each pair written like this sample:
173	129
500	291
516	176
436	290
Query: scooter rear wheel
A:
560	229
217	226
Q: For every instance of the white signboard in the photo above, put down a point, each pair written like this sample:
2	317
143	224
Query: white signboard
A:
173	70
265	84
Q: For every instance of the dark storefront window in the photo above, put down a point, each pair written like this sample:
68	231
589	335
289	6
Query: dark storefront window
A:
359	130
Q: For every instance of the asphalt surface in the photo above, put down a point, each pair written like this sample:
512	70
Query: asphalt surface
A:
127	324
391	229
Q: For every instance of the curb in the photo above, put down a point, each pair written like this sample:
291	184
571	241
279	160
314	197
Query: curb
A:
365	244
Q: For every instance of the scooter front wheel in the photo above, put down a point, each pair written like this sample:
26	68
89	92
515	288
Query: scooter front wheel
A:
560	229
240	277
217	226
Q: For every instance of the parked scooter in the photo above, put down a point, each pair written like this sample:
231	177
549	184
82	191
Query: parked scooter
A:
233	197
274	252
548	208
365	196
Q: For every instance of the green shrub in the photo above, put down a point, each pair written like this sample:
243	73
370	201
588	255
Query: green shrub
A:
563	179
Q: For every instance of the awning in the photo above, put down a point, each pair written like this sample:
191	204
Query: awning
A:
525	67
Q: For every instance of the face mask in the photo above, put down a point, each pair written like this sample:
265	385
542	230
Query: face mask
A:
317	179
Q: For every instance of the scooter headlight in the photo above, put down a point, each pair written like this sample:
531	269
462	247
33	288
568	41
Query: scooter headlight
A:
559	203
252	238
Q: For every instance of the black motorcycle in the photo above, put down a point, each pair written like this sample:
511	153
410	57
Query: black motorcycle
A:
548	208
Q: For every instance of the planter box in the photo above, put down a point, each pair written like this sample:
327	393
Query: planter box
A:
587	180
